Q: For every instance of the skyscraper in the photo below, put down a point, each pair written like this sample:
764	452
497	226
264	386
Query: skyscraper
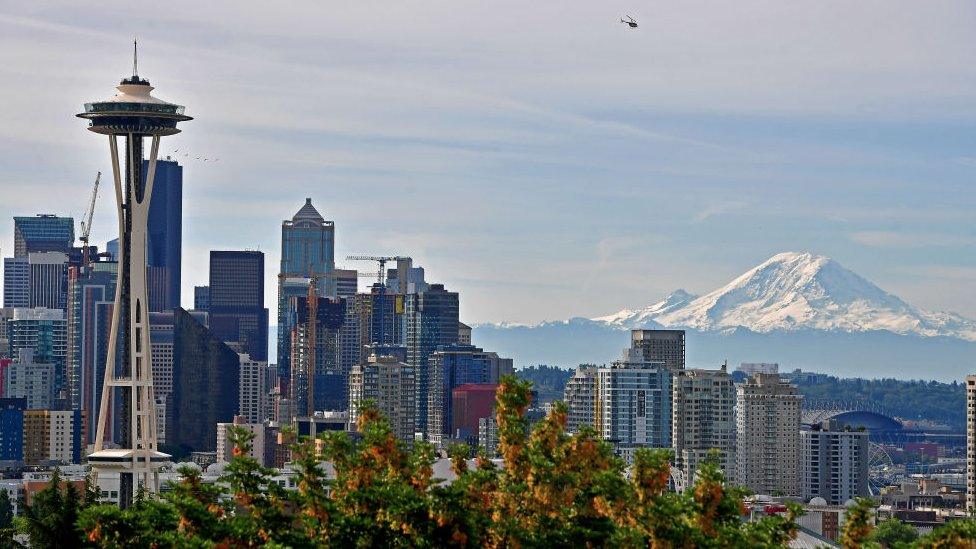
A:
703	407
47	284
91	295
43	233
431	319
30	380
307	251
12	428
667	346
834	463
206	385
45	333
164	236
580	398
389	383
768	435
237	313
449	367
134	114
16	282
633	403
316	380
254	399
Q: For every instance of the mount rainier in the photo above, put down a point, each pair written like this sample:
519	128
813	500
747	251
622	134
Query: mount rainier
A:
799	309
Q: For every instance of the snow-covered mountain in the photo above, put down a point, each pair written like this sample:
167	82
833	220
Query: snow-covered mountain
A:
796	291
798	309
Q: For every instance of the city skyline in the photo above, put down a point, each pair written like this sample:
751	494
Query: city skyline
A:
833	145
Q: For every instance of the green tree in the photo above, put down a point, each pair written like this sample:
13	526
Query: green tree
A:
50	520
6	510
894	534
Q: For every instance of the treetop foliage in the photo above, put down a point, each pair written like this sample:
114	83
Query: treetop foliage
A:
554	490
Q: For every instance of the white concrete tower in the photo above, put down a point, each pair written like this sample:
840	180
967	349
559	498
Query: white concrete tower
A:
133	114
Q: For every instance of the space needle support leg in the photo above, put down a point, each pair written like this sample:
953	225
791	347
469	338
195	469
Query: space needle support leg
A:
110	355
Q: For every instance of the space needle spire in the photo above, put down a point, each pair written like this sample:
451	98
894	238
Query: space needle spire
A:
133	114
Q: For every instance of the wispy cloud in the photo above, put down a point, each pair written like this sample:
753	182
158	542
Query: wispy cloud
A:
716	209
893	239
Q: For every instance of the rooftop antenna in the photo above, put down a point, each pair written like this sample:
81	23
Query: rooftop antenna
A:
135	58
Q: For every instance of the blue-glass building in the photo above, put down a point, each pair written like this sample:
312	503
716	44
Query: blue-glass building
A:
164	238
307	251
431	321
43	233
12	428
236	301
206	386
449	367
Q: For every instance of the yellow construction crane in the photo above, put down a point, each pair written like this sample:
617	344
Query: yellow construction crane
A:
86	222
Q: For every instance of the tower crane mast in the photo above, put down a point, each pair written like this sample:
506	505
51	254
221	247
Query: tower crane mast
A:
86	222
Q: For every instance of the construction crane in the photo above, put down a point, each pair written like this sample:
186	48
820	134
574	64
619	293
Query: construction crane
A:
86	222
379	259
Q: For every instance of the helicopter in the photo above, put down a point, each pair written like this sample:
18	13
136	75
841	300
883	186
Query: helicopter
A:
630	21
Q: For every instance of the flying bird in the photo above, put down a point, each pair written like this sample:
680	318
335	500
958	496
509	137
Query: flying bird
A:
630	21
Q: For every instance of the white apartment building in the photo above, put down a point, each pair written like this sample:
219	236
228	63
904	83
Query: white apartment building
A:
768	436
834	463
703	407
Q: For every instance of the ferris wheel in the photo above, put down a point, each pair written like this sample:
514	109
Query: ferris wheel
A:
881	469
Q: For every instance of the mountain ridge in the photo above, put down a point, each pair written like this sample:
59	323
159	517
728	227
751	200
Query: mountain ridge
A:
791	291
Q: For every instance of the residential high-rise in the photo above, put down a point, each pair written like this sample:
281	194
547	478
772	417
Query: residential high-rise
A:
30	380
206	385
499	367
970	443
45	333
768	435
53	436
431	319
237	313
449	367
256	381
666	346
703	407
16	282
260	445
389	383
633	403
134	114
580	398
834	462
12	428
307	251
43	233
164	237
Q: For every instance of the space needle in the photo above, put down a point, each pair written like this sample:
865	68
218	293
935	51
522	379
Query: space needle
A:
134	114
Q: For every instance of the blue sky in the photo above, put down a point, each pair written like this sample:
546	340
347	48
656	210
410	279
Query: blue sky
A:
540	158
